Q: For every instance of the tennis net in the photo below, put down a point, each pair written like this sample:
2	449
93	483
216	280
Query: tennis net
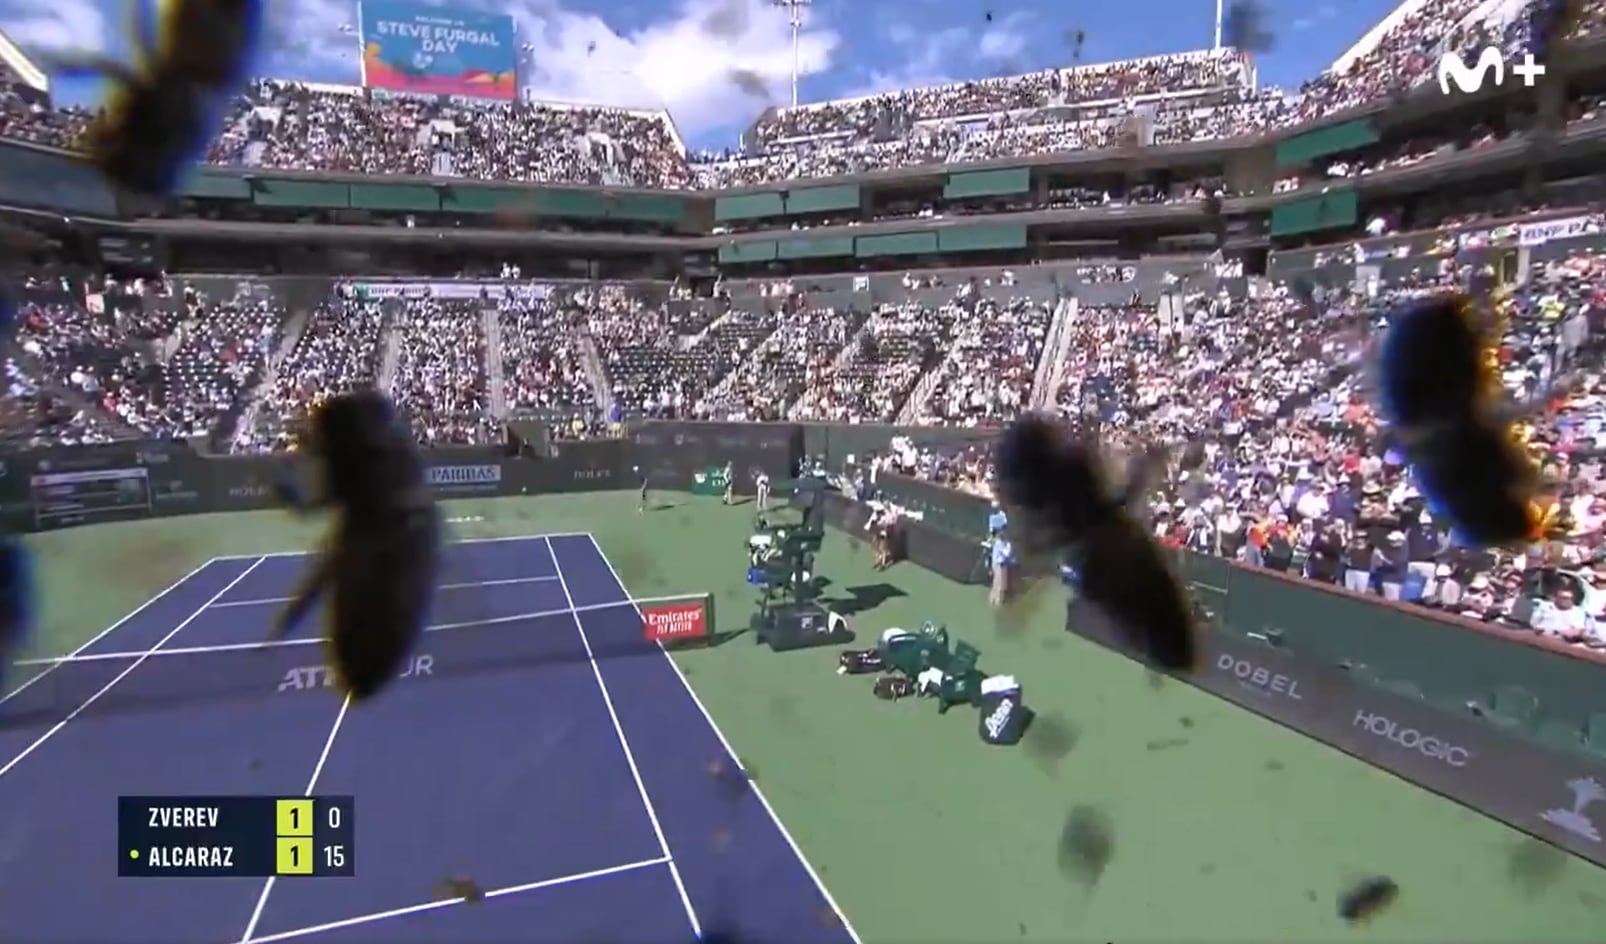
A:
103	683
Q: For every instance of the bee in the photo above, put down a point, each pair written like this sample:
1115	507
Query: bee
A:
16	562
1368	899
380	557
458	886
165	108
1056	483
1438	391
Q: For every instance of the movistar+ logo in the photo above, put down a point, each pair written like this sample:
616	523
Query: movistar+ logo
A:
1490	63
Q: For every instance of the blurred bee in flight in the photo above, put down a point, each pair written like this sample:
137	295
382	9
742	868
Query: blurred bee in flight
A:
380	557
189	58
16	563
1437	389
1055	483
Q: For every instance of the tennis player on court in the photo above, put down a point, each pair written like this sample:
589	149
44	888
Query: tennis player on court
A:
730	484
641	507
762	483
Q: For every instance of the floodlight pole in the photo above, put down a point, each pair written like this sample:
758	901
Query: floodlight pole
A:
794	10
1220	13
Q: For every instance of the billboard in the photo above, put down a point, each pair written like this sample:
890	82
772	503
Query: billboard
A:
430	50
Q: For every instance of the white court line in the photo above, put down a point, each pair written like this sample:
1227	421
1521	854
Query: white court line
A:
630	757
730	752
123	674
449	902
264	601
314	641
495	540
52	663
312	786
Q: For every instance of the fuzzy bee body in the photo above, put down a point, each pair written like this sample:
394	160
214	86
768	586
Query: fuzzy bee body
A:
1058	484
379	563
166	106
17	602
1438	391
1368	899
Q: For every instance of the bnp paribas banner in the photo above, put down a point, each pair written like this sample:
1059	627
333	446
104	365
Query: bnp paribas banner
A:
435	50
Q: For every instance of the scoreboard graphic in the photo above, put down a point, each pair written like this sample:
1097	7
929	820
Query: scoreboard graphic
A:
236	837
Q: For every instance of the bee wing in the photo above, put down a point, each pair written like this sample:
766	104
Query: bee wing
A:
90	65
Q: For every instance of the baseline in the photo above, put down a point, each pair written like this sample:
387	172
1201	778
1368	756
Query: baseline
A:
445	903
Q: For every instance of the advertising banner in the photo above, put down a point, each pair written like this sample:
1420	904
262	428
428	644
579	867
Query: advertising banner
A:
432	50
1551	794
465	479
1537	234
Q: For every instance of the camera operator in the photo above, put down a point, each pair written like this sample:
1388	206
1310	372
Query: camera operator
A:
1003	565
883	528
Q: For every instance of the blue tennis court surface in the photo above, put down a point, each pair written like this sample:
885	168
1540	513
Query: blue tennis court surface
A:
537	747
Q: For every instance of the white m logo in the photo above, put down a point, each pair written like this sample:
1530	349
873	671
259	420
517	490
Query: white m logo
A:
1453	70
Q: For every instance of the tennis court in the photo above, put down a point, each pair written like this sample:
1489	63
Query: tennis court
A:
535	745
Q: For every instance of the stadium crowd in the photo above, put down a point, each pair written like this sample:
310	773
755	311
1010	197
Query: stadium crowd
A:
1289	469
1283	463
1164	100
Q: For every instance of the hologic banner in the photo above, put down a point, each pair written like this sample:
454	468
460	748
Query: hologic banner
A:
1553	795
431	50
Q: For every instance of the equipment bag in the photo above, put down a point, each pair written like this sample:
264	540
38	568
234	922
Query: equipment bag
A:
1003	711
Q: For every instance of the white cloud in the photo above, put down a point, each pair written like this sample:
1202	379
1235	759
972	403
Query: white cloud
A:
56	25
670	62
928	58
1004	39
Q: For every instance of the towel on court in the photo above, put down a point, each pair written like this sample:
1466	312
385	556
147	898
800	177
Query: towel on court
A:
859	662
929	681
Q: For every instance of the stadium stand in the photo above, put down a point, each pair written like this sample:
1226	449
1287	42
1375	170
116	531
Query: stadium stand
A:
1177	346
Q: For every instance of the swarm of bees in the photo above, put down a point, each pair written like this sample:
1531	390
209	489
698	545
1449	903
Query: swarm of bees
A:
381	555
1054	481
166	105
1438	391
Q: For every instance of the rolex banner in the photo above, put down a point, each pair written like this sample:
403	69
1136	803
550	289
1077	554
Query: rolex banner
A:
710	481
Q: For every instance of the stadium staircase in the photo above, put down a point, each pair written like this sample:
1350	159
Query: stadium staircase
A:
389	354
491	320
591	360
843	355
909	415
294	327
1051	369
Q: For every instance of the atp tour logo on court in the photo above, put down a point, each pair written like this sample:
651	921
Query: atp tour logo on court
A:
672	622
310	677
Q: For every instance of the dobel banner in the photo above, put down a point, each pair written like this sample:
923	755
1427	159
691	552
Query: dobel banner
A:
1554	795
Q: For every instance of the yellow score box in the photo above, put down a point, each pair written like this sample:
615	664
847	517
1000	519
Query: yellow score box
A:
293	857
293	817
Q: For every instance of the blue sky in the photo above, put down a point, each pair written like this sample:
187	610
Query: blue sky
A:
653	54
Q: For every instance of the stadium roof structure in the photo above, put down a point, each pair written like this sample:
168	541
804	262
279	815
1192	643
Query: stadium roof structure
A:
12	56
